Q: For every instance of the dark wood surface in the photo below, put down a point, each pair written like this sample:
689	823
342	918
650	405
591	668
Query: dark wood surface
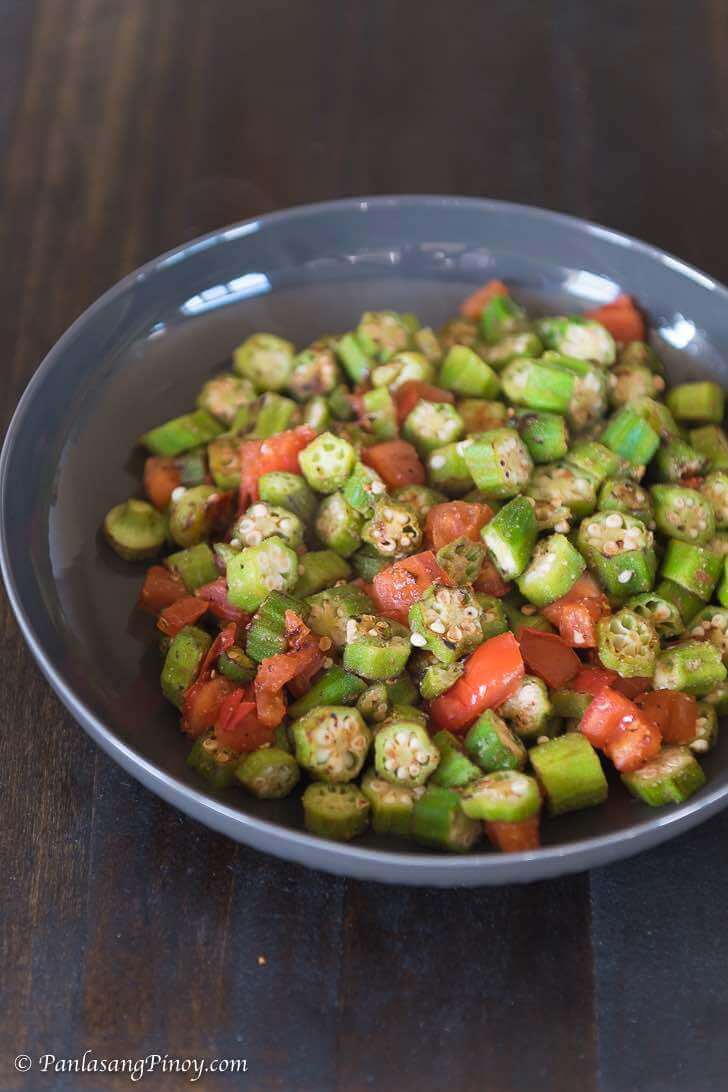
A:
127	126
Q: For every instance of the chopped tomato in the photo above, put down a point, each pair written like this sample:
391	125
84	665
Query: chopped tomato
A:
258	457
674	713
591	680
161	478
490	582
396	462
491	675
161	588
633	686
603	716
396	588
185	612
237	725
576	621
215	594
625	733
409	394
202	704
472	307
455	519
514	837
304	659
548	656
621	318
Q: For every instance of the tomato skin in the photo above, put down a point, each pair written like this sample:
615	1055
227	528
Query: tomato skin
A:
396	588
237	725
633	686
185	612
161	588
621	318
409	394
514	837
455	519
576	614
590	680
161	478
202	705
258	457
473	305
396	462
548	656
492	673
490	582
625	733
303	660
215	595
604	715
674	713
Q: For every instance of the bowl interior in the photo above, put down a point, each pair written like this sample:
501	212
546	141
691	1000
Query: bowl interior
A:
141	354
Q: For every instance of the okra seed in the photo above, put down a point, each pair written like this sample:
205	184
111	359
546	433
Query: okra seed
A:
178	494
402	773
418	640
625	577
699	745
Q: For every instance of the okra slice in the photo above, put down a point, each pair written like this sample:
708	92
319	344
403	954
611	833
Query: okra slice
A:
555	565
575	336
258	570
280	489
182	433
431	425
400	369
334	687
640	353
630	381
712	442
594	459
467	374
224	395
383	333
267	631
327	462
275	414
529	709
376	648
448	470
510	536
329	611
693	567
715	489
316	414
315	371
632	437
439	677
380	413
706	729
338	525
262	521
717	698
182	662
670	778
628	643
658	417
686	603
135	530
192	514
192	466
538	385
695	667
459	331
332	742
419	497
677	460
521	613
426	342
373	703
335	811
392	806
503	796
482	414
224	458
498	462
362	488
269	773
571	704
393	530
493	618
235	665
569	772
589	400
356	359
546	435
500	317
697	403
683	513
455	768
662	614
401	690
511	347
319	569
366	563
266	360
196	565
213	761
493	746
559	491
340	404
439	821
404	754
619	550
447	622
711	624
461	560
623	495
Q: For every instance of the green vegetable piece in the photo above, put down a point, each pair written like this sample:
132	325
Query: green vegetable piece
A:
555	565
316	414
662	614
639	353
401	690
711	624
392	806
419	497
588	402
482	415
501	317
393	530
467	374
722	592
503	796
192	515
439	821
538	385
334	687
510	537
622	495
283	490
362	488
431	425
695	667
258	570
630	436
498	462
715	489
492	744
493	618
267	631
455	768
619	551
594	459
319	569
670	778
224	395
570	703
628	643
447	469
338	525
266	360
447	622
383	333
235	665
692	567
196	565
262	521
276	414
224	458
404	754
356	360
427	343
706	729
327	462
268	773
213	761
340	403
182	433
582	338
546	435
182	662
377	648
698	403
677	460
630	381
528	710
438	678
511	347
332	742
711	442
562	491
658	417
683	513
330	611
366	563
380	413
374	704
400	369
461	560
335	811
717	699
315	371
192	466
135	530
459	331
686	603
569	772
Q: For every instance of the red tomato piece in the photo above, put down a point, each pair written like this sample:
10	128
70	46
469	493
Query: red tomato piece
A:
674	713
409	394
396	588
603	716
492	673
237	725
625	734
202	705
621	318
161	478
575	621
161	588
185	612
215	595
633	686
590	680
472	307
455	519
304	660
258	457
396	462
548	656
514	837
490	582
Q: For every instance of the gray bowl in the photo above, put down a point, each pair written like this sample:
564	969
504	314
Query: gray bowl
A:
140	354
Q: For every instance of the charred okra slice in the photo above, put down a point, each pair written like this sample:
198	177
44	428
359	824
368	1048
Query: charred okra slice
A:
380	413
563	490
493	618
376	648
658	417
632	437
628	643
356	359
192	514
431	425
404	754
334	687
315	371
223	456
659	612
630	381
482	414
622	495
619	551
698	403
258	570
448	470
329	611
335	811
400	369
677	460
447	622
503	796
393	530
182	433
439	677
493	746
213	761
235	665
267	631
683	600
670	778
706	729
715	488
683	513
538	385
262	521
391	805
338	525
555	565
135	530
692	567
575	336
498	462
712	442
276	414
501	317
711	624
319	569
224	395
695	667
528	710
182	662
461	560
383	333
455	768
331	742
362	488
327	462
511	536
266	360
467	374
512	346
439	821
588	402
269	773
196	565
419	497
594	459
290	491
546	435
569	772
366	563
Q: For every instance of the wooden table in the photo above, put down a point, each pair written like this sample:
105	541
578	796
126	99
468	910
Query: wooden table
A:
127	126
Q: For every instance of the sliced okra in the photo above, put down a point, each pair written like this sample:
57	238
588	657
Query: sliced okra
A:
281	489
383	333
335	811
538	385
182	662
266	635
404	754
623	495
693	567
505	796
575	336
670	778
329	611
641	354
438	678
498	462
182	433
192	514
455	768
340	404
589	399
319	569
439	821
316	414
338	525
196	565
569	772
332	742
677	459
431	425
461	560
571	704
712	442
235	665
630	436
546	435
630	381
659	612
446	621
711	624
686	603
213	761
315	371
493	746
561	490
694	666
192	466
467	374
715	488
426	341
401	690
419	497
262	521
380	413
327	462
224	395
706	729
683	513
521	613
266	360
460	331
393	529
376	648
717	699
698	403
482	414
269	773
258	570
275	415
334	687
135	530
528	710
493	618
555	565
362	488
401	368
619	551
355	358
448	470
224	458
510	537
722	590
594	459
511	346
501	317
366	563
628	643
373	703
391	805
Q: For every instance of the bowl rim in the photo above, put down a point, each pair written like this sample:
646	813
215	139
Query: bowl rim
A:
342	858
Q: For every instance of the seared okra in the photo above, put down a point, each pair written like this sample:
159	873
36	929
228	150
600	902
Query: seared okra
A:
698	403
196	565
694	666
431	425
393	529
575	336
213	761
510	347
594	459
448	470
555	565
262	521
376	648
706	729
447	622
334	687
236	666
620	552
338	525
482	414
266	635
224	395
335	811
400	369
461	560
538	385
528	709
493	746
677	460
670	778
319	569
380	413
392	806
498	462
715	489
182	433
362	488
275	414
404	754
281	489
419	497
502	796
658	416
564	491
683	513
511	536
315	371
135	530
694	568
628	643
546	435
711	624
630	381
258	570
224	458
686	603
712	442
641	354
569	772
661	613
327	462
266	360
329	611
192	514
467	374
383	333
427	342
316	414
455	768
332	742
588	402
268	773
632	437
623	495
439	821
439	677
182	662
